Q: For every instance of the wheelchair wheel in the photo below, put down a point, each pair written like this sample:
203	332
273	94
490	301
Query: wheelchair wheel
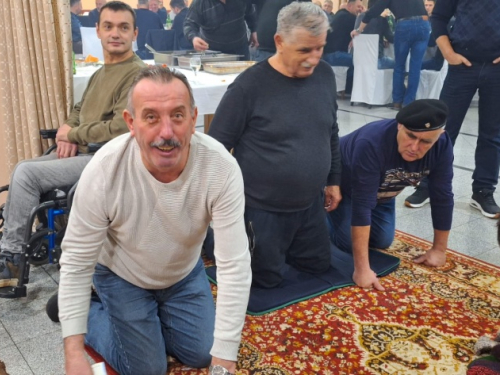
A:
52	308
40	255
38	248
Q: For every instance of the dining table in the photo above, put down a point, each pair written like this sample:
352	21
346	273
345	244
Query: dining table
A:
208	88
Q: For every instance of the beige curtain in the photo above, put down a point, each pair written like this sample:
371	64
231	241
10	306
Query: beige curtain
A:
35	73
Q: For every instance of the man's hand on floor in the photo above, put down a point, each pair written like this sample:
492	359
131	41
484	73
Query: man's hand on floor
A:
432	258
367	279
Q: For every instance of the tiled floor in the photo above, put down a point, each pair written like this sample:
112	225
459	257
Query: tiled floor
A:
31	344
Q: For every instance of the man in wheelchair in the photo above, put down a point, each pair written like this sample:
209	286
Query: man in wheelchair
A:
96	119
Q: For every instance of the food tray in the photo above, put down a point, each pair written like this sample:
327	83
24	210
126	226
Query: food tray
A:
170	57
227	67
183	61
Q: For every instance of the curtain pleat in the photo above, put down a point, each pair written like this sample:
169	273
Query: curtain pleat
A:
35	73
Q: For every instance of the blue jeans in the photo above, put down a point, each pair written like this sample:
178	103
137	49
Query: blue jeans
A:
134	329
385	63
410	37
459	87
340	58
382	229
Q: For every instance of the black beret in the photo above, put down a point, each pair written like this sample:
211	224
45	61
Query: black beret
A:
423	115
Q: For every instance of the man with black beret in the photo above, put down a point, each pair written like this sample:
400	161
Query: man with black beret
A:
378	161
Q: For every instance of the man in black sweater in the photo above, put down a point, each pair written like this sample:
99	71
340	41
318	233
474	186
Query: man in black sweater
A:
472	50
280	118
339	37
220	25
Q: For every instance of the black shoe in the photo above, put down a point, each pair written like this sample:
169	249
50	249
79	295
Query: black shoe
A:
483	201
419	198
9	269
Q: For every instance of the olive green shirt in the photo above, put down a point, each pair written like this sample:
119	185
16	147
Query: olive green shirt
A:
98	118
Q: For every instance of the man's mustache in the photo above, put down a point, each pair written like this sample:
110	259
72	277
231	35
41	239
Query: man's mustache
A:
166	143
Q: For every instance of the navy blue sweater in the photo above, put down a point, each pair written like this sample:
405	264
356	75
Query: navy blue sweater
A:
476	32
373	171
284	133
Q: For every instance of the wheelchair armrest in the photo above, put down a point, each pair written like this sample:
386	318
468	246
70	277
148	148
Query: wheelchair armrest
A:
48	133
94	147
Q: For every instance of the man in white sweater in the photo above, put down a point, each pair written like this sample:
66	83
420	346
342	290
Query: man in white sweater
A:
138	221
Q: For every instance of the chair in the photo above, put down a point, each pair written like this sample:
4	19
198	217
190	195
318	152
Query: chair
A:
91	43
431	82
161	40
370	85
340	77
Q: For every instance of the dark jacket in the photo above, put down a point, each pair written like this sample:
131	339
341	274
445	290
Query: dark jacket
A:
476	31
339	37
267	23
146	20
221	25
178	27
400	9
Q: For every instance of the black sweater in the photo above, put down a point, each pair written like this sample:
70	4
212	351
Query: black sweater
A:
284	133
221	25
400	9
476	31
339	37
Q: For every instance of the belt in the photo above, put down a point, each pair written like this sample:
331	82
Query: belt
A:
425	18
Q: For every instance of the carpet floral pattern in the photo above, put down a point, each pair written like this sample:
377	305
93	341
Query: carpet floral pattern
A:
426	322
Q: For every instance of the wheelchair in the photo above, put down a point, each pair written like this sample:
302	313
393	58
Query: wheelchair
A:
42	245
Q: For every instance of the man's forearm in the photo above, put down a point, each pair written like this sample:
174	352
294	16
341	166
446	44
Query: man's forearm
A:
444	44
74	345
441	240
360	240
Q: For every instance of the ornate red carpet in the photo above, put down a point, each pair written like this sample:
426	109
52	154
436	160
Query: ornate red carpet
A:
426	322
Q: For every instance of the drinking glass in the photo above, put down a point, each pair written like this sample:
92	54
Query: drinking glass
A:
195	63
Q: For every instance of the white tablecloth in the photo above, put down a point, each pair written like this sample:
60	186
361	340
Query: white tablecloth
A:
208	88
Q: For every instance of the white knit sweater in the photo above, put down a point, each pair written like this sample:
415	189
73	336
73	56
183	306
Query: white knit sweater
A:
150	233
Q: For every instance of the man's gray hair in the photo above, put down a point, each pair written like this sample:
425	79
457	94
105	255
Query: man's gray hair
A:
159	74
143	2
302	15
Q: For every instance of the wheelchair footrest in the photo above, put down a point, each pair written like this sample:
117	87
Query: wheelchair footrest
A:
13	292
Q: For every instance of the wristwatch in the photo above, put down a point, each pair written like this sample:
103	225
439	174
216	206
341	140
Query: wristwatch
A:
218	370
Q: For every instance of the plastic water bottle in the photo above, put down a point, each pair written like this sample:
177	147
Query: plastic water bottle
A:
168	22
99	368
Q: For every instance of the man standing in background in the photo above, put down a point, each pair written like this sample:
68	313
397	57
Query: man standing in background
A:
410	37
94	13
221	26
180	10
328	8
75	7
472	49
146	20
